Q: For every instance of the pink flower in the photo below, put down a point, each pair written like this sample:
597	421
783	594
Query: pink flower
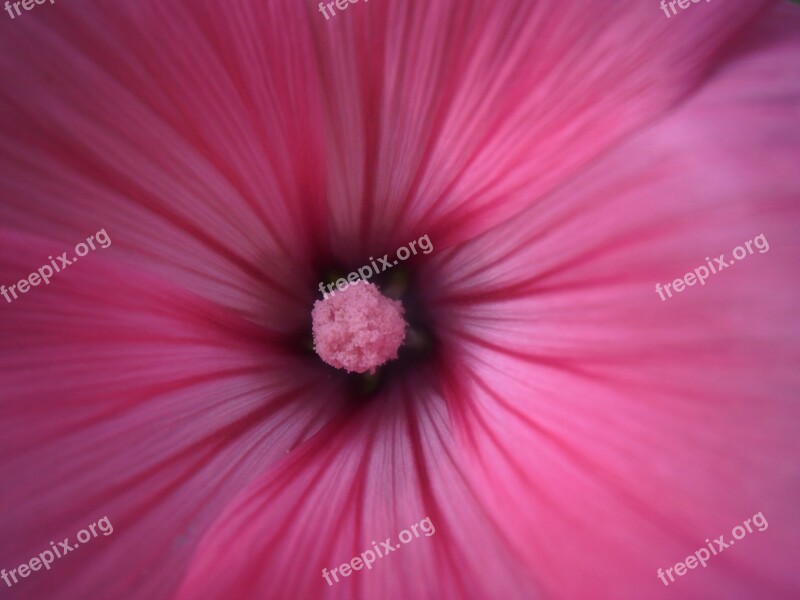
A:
566	431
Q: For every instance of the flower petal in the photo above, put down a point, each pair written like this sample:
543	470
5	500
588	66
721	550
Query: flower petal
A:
613	432
123	396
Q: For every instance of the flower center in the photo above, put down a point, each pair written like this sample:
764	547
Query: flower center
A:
358	328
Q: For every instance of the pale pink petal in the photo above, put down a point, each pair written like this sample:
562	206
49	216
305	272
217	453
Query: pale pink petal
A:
611	432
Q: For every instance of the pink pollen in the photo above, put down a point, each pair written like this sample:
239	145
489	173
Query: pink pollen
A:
358	329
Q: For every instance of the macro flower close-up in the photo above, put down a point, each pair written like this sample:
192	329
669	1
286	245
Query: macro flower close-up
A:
399	299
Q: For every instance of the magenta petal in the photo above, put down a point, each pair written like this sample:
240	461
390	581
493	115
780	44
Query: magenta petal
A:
356	484
403	116
128	398
574	434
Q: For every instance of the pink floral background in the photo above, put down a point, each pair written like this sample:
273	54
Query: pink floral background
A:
568	434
